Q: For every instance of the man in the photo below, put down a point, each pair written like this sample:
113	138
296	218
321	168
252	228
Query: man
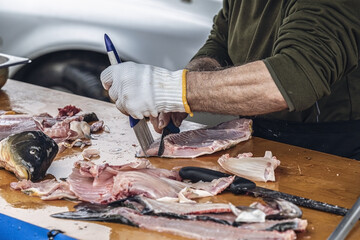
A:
292	66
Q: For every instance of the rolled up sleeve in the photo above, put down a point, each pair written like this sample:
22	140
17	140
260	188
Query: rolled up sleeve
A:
216	44
317	44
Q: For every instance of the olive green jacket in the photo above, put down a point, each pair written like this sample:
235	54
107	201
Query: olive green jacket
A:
310	47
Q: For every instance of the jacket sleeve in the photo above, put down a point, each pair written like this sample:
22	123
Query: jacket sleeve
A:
317	45
216	44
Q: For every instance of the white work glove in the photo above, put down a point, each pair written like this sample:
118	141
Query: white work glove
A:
142	90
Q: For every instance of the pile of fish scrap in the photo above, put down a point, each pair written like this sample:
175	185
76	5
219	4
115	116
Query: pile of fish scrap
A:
106	183
198	220
140	195
30	143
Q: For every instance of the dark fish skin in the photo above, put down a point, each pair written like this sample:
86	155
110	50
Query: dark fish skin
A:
128	211
286	209
282	227
90	117
97	212
28	154
105	212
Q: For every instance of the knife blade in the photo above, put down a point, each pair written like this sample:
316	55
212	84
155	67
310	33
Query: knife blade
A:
140	127
10	60
246	186
170	128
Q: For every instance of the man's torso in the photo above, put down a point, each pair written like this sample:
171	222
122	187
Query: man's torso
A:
253	29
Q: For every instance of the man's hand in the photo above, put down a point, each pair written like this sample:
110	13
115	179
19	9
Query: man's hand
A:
199	64
142	90
163	120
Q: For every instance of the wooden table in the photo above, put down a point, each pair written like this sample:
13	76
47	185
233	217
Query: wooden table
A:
302	172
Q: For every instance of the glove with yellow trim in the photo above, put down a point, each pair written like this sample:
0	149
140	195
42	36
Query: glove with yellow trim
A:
142	90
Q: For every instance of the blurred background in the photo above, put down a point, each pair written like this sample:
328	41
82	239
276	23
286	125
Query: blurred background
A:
65	39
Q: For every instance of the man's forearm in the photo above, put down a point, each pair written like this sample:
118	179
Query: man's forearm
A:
203	64
243	90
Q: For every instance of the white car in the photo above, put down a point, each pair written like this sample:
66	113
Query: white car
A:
65	38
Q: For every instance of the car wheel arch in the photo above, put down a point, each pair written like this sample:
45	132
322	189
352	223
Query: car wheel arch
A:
75	71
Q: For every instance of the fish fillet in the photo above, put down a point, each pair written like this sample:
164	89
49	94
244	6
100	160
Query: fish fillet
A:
194	143
254	168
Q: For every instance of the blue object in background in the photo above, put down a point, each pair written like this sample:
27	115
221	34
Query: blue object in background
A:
15	229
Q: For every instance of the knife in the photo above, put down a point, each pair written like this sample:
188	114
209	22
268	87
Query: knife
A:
140	127
10	60
170	128
245	186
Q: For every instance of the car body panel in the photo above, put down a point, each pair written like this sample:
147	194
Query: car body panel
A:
164	33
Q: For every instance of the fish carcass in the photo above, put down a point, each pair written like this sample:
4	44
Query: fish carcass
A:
107	183
192	220
194	143
204	230
70	124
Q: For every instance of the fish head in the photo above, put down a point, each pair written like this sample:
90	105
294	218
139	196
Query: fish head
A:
286	209
31	153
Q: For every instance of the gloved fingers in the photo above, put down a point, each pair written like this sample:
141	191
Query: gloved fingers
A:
154	113
132	108
134	112
178	117
150	113
143	91
106	77
155	122
164	119
119	106
161	121
146	113
137	115
113	93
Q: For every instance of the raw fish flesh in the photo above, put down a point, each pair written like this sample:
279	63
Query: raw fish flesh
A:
69	125
194	143
254	168
107	183
179	219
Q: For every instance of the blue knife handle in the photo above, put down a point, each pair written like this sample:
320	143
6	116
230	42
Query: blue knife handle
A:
172	128
133	121
110	48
